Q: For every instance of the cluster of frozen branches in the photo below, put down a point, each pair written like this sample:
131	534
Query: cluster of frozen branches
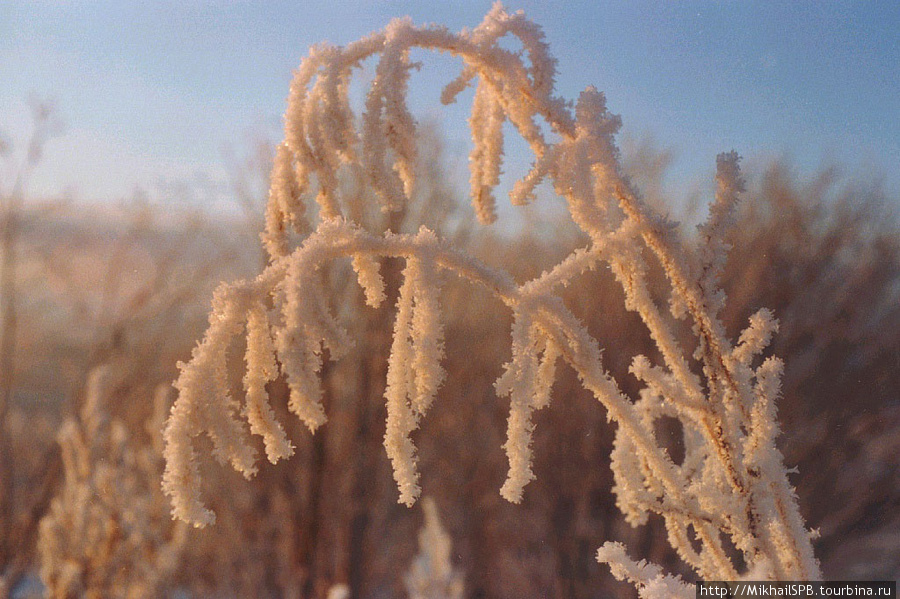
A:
106	533
730	489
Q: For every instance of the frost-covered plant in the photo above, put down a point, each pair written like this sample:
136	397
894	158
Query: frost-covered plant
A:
106	534
431	574
730	489
338	591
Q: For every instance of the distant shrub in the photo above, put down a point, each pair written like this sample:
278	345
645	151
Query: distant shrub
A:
106	534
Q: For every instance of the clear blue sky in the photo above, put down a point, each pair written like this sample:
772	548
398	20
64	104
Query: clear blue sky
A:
153	93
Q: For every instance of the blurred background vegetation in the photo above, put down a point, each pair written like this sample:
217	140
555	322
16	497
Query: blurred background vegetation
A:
127	288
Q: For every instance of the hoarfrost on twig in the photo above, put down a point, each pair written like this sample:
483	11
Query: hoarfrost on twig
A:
731	484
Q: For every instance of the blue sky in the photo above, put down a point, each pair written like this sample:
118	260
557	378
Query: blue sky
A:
154	95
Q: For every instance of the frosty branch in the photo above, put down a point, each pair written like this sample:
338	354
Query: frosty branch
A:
731	483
